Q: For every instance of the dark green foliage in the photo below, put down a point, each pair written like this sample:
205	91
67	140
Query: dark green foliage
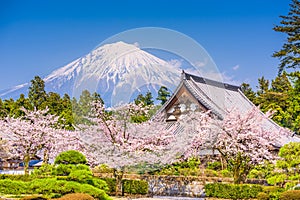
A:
232	191
37	95
290	195
70	157
289	55
248	92
146	100
163	95
135	187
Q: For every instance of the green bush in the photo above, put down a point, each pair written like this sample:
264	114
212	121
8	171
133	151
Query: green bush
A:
232	191
273	191
226	173
16	177
49	187
63	170
135	186
44	170
80	176
8	186
277	179
214	165
290	195
70	157
76	196
98	183
111	183
262	196
210	173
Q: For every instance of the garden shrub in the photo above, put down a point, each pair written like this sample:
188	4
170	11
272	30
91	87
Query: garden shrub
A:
135	186
232	191
16	177
70	157
262	196
98	183
273	191
80	176
76	196
277	179
290	195
44	170
210	173
216	165
8	186
226	173
63	170
111	183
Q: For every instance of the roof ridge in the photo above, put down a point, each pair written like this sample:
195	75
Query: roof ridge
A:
211	82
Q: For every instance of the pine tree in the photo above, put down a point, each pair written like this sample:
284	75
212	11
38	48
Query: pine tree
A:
163	95
289	55
248	92
37	94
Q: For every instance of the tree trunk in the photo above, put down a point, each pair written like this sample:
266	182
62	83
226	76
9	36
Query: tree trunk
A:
46	157
26	164
118	174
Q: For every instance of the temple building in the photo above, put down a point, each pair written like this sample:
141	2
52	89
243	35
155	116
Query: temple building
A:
195	94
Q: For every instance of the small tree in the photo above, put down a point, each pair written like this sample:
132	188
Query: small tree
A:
36	133
163	94
118	142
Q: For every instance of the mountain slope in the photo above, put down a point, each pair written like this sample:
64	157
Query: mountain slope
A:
117	71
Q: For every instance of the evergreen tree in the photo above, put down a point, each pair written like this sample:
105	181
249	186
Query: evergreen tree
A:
147	100
289	55
22	102
37	94
3	111
248	92
163	94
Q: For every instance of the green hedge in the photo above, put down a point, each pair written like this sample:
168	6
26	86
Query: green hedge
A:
50	187
232	191
129	186
135	186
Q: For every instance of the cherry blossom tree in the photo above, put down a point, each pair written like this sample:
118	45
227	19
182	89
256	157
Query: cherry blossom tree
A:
242	139
117	141
34	133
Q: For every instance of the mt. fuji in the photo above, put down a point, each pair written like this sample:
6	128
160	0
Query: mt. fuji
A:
117	71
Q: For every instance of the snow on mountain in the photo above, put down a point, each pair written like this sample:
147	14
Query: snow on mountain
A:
118	71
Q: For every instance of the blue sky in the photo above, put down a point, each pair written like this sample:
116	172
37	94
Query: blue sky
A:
37	37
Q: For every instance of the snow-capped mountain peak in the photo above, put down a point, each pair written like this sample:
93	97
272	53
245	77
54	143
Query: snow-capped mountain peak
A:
116	71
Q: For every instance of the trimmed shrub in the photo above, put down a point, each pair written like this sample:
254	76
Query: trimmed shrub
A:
63	170
210	173
277	179
226	173
8	186
44	170
70	157
135	186
77	196
232	191
16	177
80	176
290	195
98	183
216	165
111	183
262	196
